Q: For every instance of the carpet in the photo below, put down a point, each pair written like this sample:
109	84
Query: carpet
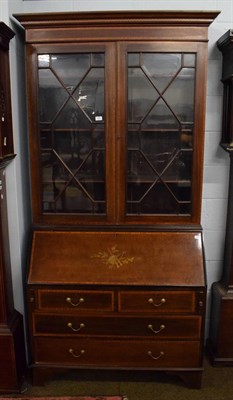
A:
66	398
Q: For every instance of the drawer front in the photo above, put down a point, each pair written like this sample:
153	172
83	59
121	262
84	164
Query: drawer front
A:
79	300
117	353
157	301
160	327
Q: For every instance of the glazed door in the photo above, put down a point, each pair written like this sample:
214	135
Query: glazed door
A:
73	171
119	128
161	176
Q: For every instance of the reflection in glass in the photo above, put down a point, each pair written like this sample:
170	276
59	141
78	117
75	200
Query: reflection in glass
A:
160	133
52	95
72	134
70	68
43	60
133	59
189	60
90	94
161	67
180	95
161	116
139	107
97	59
72	116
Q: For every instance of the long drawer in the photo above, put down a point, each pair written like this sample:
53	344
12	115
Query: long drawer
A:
117	353
163	326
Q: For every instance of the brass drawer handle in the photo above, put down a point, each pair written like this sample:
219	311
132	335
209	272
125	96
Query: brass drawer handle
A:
162	301
155	358
70	325
71	351
153	330
81	300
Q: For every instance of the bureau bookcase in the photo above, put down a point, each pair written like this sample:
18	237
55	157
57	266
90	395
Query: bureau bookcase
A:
116	107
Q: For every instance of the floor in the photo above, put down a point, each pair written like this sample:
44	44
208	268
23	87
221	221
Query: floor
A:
217	385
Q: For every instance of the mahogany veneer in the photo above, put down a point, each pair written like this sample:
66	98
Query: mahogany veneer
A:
116	277
89	309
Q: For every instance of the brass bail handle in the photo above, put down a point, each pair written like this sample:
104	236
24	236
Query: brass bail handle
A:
155	358
70	325
80	301
161	328
162	301
71	351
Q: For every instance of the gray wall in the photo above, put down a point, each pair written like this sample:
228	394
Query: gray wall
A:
216	162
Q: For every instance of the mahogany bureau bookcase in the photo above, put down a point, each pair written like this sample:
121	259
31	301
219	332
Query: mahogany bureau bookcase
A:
116	107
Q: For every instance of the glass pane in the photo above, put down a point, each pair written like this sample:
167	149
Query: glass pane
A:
159	199
70	68
180	167
139	166
160	148
51	95
189	60
72	138
133	59
72	116
180	95
160	134
43	60
90	95
64	177
141	95
97	60
161	116
161	67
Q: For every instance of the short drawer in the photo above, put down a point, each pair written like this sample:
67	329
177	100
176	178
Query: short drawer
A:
117	353
171	327
75	300
157	301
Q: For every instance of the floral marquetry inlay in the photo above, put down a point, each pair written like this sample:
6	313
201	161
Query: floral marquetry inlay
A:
115	258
